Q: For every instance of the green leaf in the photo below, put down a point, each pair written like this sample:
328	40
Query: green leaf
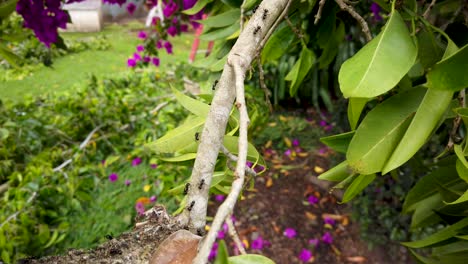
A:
451	73
355	107
197	7
439	236
197	107
338	142
277	44
462	170
178	138
426	120
4	134
357	186
222	255
220	33
381	130
231	143
337	173
7	7
381	64
456	247
9	56
430	50
249	4
52	239
180	158
427	186
222	20
300	70
250	259
423	259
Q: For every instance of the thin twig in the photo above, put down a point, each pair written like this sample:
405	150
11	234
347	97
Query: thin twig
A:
159	107
234	158
428	10
454	16
319	12
360	20
234	236
30	199
239	175
456	122
296	31
265	89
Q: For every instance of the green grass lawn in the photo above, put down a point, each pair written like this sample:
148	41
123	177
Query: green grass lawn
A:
70	72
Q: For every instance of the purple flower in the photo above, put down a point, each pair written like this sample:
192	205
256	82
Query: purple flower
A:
142	35
127	182
136	57
184	28
305	255
312	199
172	30
131	62
329	221
258	243
258	168
155	61
113	2
327	238
295	142
375	9
221	234
159	44
249	164
323	150
170	9
113	177
140	48
153	198
168	47
314	242
289	232
186	4
322	123
131	7
140	208
154	166
288	152
136	161
146	59
213	252
219	197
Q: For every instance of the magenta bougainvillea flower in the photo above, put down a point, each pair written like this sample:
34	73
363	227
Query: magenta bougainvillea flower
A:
146	59
314	242
113	177
153	198
136	161
295	142
288	152
168	47
131	7
131	62
140	48
155	61
259	243
219	197
312	199
170	8
153	166
327	238
172	31
375	9
221	234
322	123
159	44
127	182
305	255
140	208
142	35
329	221
290	232
213	252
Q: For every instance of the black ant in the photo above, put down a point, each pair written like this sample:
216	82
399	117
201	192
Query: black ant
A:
254	9
202	182
109	237
265	14
197	136
256	30
214	85
191	206
200	232
186	189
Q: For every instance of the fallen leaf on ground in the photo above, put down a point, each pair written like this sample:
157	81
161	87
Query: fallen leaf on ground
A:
269	182
311	216
357	259
318	169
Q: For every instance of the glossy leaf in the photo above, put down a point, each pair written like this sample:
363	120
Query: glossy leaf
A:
277	44
195	106
197	7
250	259
220	33
381	130
450	74
338	142
462	170
300	70
337	173
222	253
427	186
357	186
426	120
222	20
439	236
355	107
381	64
423	259
430	50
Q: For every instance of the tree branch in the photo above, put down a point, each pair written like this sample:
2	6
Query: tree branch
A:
319	12
234	236
360	20
13	216
428	10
